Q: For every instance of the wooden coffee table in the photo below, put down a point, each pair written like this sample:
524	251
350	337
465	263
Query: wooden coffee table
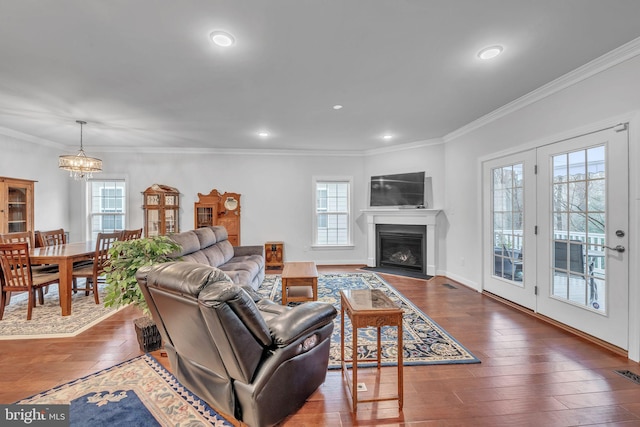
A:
366	308
299	282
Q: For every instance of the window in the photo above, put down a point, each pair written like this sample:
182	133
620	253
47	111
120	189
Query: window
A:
332	225
107	206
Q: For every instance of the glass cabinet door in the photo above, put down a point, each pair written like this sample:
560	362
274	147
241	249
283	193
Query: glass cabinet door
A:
17	209
153	222
205	216
171	221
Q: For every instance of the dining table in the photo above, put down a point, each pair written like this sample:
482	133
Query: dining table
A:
64	256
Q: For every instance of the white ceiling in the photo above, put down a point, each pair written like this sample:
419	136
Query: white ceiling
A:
144	74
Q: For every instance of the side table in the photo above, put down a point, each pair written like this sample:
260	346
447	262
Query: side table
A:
365	308
274	255
299	282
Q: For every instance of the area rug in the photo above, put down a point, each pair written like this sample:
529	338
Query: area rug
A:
47	320
139	392
424	341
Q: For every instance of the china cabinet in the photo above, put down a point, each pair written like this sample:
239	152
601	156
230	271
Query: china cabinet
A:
16	205
219	209
161	208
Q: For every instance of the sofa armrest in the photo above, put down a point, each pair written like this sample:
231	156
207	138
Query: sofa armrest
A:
299	321
248	250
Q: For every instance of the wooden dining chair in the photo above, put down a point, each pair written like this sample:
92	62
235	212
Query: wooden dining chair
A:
131	234
28	238
18	276
92	272
51	237
19	237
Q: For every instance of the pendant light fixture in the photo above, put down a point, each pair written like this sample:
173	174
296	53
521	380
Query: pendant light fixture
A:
80	166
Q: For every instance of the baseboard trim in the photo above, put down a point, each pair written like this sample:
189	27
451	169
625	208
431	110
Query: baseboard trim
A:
614	349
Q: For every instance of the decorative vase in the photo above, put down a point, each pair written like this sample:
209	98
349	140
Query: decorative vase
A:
148	335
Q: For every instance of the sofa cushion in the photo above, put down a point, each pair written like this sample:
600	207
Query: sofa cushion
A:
243	269
219	253
189	242
206	236
221	233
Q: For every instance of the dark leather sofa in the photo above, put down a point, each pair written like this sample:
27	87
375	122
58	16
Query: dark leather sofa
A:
246	356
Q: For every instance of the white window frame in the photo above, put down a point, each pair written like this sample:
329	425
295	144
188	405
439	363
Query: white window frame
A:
349	213
91	214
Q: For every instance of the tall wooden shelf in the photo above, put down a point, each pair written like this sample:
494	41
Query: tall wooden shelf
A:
161	209
16	205
219	209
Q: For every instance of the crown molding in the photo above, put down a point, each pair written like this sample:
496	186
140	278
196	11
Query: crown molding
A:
403	147
225	151
608	60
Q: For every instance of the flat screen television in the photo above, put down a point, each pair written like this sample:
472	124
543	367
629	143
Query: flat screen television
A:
403	189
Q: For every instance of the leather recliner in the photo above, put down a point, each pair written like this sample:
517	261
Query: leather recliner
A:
244	355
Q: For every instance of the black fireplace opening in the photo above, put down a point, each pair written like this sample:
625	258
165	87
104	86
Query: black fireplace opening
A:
401	247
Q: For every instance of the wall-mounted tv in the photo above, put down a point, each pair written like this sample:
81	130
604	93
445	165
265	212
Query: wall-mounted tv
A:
403	189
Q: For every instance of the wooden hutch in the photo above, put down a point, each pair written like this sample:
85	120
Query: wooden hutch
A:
219	209
16	205
161	208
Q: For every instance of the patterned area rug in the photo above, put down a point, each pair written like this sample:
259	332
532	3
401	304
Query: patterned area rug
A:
424	341
47	320
139	392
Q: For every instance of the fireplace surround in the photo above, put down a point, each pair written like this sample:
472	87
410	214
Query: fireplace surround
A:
400	246
423	217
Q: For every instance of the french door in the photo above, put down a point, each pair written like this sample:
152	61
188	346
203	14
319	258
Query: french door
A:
555	240
582	234
509	255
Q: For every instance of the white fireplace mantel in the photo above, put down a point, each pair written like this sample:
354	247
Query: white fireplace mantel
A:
427	217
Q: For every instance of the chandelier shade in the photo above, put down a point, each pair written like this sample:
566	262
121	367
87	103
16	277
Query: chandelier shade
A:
80	166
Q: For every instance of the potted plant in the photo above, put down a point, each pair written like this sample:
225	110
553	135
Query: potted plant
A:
126	257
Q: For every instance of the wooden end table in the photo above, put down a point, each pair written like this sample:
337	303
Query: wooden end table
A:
299	282
365	308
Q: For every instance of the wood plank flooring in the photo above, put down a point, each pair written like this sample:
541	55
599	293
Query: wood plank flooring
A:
532	373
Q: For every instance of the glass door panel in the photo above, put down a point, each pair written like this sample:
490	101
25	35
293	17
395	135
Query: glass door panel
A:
509	184
582	201
578	187
153	221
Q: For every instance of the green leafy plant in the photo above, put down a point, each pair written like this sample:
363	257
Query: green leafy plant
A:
127	256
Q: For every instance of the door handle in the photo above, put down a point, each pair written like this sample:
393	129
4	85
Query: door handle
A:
618	248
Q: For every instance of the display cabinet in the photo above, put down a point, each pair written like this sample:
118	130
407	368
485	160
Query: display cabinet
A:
16	205
161	209
219	209
274	255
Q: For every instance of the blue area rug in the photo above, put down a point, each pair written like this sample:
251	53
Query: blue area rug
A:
139	392
424	341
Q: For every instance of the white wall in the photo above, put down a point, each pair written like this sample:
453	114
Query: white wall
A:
276	193
598	99
25	160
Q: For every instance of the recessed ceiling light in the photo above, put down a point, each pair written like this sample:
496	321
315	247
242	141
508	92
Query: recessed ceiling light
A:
387	137
263	134
490	52
222	38
337	107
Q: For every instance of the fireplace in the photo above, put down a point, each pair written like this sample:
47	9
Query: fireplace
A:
401	247
425	218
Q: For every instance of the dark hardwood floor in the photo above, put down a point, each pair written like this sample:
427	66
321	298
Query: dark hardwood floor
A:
532	373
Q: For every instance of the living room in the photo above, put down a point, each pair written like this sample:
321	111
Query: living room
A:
276	184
